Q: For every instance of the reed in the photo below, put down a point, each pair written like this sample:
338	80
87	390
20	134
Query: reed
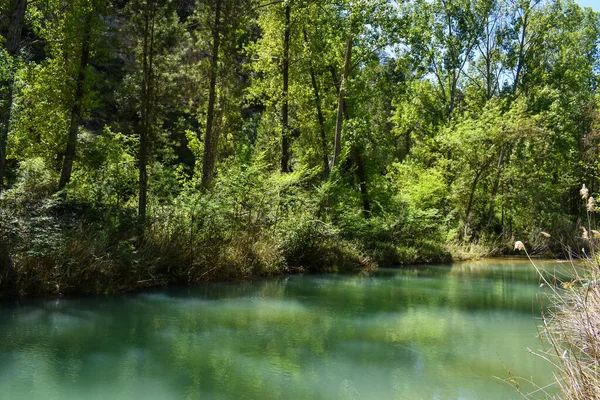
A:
571	324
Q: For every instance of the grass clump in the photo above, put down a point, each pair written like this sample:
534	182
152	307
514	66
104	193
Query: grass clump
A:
573	330
571	323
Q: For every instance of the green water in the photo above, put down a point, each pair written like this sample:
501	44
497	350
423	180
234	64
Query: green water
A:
438	332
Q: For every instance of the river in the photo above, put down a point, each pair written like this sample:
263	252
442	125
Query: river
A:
432	332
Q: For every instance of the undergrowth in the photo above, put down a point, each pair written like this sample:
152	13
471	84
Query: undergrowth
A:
252	223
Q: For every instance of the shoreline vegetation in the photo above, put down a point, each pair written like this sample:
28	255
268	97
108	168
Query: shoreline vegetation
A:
53	247
571	321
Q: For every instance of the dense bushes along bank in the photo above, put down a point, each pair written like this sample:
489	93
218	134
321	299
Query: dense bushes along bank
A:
254	223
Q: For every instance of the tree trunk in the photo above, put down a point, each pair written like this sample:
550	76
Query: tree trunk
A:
13	44
146	109
285	129
320	117
521	56
488	77
362	179
13	37
496	185
407	142
471	196
77	106
340	110
356	155
211	137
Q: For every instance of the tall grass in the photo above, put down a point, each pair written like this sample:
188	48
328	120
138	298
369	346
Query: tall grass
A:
571	323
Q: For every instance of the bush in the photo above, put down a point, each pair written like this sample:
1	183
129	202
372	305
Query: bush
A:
35	182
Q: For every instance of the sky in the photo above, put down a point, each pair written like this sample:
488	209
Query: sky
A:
595	4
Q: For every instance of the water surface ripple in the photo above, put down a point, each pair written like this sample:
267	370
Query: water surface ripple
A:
435	332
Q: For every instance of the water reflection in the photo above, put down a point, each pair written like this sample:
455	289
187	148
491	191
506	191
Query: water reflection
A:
423	333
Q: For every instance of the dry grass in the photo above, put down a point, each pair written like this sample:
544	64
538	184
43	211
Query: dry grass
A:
571	329
471	251
571	323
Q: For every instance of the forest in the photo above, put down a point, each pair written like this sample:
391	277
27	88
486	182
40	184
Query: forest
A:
154	142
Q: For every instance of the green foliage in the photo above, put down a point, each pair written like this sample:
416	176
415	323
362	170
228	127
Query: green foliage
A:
105	173
465	124
41	112
36	181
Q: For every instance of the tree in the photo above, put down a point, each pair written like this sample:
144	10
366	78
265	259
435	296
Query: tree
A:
13	44
157	38
369	23
337	147
83	14
285	129
211	137
319	109
216	73
443	36
490	60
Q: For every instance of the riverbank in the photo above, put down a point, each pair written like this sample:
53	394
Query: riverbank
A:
52	247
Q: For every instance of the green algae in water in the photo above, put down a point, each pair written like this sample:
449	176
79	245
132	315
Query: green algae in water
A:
436	332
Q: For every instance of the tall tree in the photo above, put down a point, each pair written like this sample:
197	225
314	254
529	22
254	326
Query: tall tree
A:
491	15
522	17
147	96
368	24
285	128
78	97
443	36
337	147
211	137
319	109
13	44
154	40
